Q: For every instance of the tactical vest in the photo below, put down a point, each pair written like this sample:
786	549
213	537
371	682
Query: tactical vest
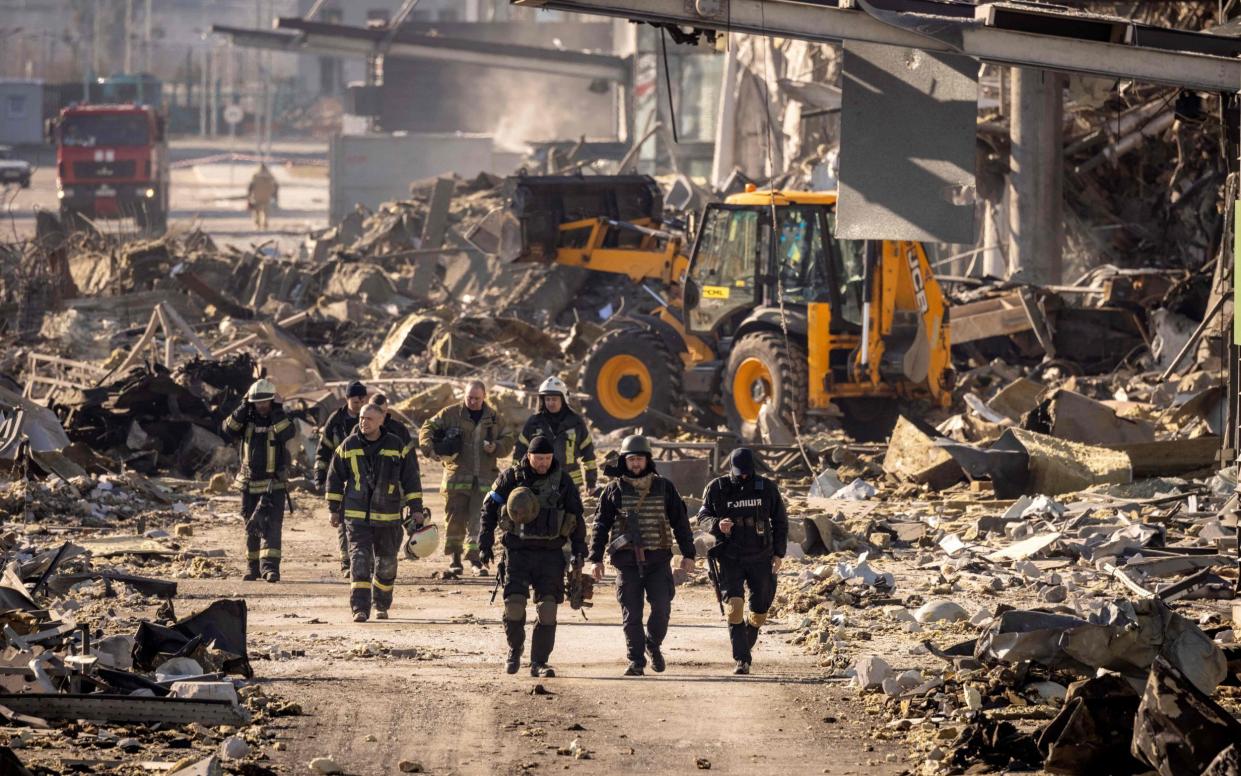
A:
649	513
552	522
748	509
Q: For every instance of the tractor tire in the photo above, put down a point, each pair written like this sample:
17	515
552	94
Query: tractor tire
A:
628	372
869	419
760	370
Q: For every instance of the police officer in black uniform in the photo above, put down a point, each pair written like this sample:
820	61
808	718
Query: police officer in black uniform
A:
640	514
746	515
539	508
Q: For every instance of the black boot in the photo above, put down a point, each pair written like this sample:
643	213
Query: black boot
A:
541	643
455	568
635	669
751	637
515	632
657	657
252	573
740	641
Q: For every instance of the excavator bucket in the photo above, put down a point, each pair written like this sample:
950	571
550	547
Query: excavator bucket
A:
532	224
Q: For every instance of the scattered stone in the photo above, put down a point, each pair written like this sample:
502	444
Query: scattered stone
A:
1055	594
183	530
409	766
869	672
940	610
129	745
234	748
324	765
703	764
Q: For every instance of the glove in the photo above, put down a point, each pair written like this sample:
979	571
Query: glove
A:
335	519
592	479
485	556
578	562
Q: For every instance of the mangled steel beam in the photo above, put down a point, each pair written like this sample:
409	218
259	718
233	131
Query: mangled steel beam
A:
125	708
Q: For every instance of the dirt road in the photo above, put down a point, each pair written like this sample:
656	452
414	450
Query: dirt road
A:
441	699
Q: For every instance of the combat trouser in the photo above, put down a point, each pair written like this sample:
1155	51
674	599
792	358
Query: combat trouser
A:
650	582
463	509
543	570
373	548
752	580
342	539
263	550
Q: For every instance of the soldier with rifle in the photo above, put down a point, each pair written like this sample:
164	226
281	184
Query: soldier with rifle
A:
640	515
746	515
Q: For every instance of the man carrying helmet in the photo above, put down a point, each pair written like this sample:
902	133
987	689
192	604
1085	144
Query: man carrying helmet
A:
565	429
372	480
746	515
340	424
468	437
264	431
539	509
640	514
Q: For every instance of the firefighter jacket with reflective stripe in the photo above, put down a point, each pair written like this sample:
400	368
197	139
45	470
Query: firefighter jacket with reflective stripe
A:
560	514
760	521
340	424
574	449
264	455
661	517
374	488
471	469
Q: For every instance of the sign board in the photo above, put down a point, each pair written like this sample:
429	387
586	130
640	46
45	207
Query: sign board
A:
233	114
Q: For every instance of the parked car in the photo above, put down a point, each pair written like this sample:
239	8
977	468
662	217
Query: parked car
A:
13	170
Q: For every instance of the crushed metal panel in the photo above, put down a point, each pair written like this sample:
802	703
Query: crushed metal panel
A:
908	157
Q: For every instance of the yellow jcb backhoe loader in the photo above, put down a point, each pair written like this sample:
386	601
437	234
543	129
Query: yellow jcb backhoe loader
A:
766	308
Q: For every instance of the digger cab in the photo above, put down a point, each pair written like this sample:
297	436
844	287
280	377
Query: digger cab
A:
733	270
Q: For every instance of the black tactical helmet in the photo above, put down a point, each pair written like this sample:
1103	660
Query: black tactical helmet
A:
635	444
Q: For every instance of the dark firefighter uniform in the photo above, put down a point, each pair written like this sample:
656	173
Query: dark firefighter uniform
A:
574	450
262	476
759	533
649	506
340	424
534	553
369	485
457	435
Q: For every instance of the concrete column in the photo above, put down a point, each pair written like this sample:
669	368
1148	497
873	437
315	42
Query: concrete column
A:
1036	180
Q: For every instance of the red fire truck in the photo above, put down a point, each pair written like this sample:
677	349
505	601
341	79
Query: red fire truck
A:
112	162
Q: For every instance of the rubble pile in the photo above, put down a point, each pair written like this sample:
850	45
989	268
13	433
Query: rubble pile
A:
100	671
1083	617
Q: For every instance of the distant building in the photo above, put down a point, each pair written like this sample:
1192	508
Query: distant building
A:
21	112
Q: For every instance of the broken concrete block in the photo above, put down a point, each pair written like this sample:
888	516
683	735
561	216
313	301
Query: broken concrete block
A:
869	672
940	611
913	456
210	691
1017	398
234	748
1059	466
183	530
